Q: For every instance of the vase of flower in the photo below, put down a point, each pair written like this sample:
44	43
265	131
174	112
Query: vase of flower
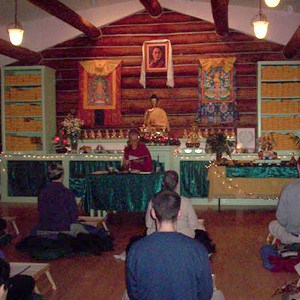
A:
74	141
71	126
218	143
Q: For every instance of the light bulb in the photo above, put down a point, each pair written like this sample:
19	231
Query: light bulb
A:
272	3
16	36
260	29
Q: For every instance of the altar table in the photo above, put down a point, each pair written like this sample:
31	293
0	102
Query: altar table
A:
248	185
120	192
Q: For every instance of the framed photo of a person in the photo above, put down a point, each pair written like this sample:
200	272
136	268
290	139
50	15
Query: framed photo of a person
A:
156	57
245	139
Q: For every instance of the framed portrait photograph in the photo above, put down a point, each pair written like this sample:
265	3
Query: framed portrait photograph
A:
156	57
245	139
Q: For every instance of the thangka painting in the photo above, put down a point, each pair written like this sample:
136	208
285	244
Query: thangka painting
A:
217	103
100	89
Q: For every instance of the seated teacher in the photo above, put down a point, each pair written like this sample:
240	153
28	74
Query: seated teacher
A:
136	154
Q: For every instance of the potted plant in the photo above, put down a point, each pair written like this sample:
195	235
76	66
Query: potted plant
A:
218	143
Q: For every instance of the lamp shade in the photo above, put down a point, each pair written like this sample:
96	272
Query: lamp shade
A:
260	28
272	3
16	36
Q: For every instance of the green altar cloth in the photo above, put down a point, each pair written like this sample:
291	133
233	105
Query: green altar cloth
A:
262	172
193	179
121	192
80	169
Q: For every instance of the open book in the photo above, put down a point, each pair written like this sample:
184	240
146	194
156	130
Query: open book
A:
131	157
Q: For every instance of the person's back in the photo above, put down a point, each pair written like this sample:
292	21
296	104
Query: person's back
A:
288	212
170	266
167	264
57	208
287	226
56	204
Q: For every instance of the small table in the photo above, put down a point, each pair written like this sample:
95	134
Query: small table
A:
36	270
93	221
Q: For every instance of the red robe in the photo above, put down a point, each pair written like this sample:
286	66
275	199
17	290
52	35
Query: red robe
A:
141	150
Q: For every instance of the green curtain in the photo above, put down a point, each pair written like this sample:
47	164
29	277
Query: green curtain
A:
27	178
121	192
193	179
262	172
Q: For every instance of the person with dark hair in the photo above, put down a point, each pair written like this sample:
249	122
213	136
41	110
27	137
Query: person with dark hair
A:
187	221
157	58
136	154
18	287
167	264
156	117
57	206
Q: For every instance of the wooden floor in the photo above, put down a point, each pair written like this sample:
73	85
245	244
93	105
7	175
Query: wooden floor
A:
238	234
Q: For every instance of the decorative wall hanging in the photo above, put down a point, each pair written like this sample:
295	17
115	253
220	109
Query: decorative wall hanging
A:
100	89
217	91
157	57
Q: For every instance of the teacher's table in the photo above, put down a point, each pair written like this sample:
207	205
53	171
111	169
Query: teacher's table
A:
120	192
249	182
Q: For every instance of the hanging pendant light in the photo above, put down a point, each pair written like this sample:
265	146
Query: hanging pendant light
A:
260	24
272	3
15	29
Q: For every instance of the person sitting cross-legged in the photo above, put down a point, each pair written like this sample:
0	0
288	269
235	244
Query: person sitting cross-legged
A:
187	223
167	264
287	226
57	206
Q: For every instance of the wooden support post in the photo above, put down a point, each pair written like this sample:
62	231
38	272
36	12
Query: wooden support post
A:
220	14
153	7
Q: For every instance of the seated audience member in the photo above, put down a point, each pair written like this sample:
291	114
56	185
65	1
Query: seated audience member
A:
18	287
287	226
57	206
187	222
136	155
167	264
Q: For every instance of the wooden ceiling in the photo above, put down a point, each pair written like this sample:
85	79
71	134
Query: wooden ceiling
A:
154	9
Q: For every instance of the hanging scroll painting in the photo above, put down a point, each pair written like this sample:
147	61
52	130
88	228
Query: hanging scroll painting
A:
217	91
100	89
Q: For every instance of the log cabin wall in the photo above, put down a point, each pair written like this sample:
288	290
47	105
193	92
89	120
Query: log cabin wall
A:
191	39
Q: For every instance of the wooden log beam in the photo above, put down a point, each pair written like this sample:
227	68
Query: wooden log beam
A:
292	48
19	53
220	15
153	7
64	13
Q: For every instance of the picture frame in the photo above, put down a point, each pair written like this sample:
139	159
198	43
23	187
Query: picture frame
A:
156	56
246	139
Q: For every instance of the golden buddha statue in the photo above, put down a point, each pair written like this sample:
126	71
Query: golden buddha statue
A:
155	118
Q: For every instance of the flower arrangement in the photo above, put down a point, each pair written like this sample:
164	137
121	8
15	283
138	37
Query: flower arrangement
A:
218	143
71	125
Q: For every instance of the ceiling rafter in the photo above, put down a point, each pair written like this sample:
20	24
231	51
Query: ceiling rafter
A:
153	7
220	15
19	53
66	14
292	48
